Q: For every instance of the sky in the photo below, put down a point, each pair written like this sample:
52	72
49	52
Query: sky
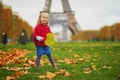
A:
90	14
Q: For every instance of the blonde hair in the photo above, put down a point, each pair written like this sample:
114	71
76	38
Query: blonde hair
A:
42	12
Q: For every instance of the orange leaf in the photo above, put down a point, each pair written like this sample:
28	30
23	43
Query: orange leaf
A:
10	78
42	76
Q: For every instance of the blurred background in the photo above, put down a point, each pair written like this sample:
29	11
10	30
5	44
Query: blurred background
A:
70	20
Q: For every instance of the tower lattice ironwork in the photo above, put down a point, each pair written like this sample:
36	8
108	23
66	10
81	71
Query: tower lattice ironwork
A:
64	20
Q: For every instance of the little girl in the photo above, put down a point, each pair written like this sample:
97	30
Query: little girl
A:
39	37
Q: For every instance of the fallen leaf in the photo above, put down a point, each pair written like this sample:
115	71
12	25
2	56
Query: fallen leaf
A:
10	78
62	71
14	69
42	76
76	56
57	73
93	66
67	74
87	70
50	75
82	59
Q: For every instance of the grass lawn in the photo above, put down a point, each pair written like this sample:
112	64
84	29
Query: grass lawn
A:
75	61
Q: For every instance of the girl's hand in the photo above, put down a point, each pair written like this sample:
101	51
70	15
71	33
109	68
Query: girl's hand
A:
39	38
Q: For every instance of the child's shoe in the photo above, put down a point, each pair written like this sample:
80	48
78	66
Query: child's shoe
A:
54	67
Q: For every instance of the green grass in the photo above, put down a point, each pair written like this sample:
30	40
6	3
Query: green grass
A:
102	58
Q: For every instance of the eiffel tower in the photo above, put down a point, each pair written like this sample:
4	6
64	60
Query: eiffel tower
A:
63	24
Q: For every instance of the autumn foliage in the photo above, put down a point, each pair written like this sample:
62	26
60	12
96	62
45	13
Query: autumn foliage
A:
11	57
12	24
116	31
19	25
106	33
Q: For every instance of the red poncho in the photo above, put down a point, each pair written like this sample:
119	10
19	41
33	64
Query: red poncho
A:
40	30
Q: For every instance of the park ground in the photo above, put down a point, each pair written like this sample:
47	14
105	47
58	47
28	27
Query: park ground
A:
75	61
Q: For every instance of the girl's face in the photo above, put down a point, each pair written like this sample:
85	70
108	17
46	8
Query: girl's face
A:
44	18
